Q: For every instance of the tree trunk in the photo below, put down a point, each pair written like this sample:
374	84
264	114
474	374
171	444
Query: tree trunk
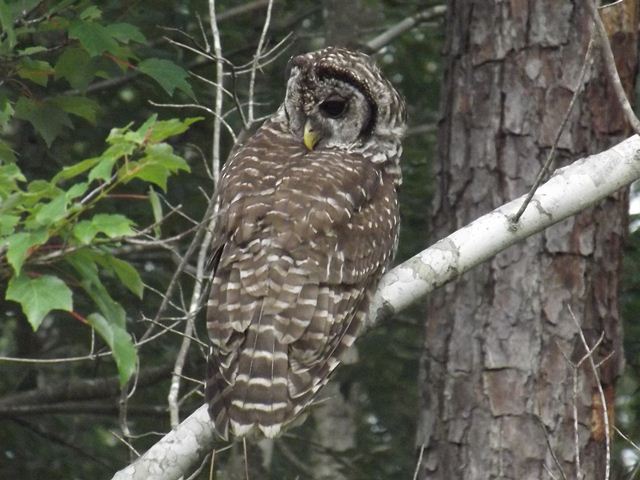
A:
497	395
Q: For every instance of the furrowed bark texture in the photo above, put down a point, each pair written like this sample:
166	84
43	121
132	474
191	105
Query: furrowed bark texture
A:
493	369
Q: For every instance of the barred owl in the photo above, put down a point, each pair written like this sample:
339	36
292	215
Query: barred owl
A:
307	223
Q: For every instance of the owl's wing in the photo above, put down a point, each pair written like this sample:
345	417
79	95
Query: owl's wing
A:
298	264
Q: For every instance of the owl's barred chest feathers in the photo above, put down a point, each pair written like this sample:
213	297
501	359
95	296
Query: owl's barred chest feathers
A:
307	224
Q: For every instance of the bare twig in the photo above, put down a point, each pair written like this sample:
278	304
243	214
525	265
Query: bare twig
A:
547	164
217	50
576	436
610	67
195	474
132	450
553	453
52	437
81	389
199	107
256	61
417	470
241	9
603	400
293	459
78	408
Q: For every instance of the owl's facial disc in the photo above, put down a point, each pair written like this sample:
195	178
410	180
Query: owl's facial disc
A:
326	107
333	107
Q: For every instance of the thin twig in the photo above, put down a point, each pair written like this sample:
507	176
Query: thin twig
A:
610	67
200	107
123	440
53	438
543	171
417	470
293	459
576	436
256	60
211	467
195	474
217	50
603	400
246	458
548	440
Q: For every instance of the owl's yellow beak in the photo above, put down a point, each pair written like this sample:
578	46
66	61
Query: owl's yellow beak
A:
310	137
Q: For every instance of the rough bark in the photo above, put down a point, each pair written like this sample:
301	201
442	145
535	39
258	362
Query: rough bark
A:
494	367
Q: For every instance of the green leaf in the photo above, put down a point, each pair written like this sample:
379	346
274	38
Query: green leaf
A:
155	167
125	272
169	75
75	65
6	22
168	128
91	13
79	106
6	153
156	208
8	223
83	262
74	170
84	231
76	190
125	32
51	212
38	296
20	244
140	136
6	111
38	190
95	38
162	154
104	169
37	71
48	120
122	347
111	225
10	174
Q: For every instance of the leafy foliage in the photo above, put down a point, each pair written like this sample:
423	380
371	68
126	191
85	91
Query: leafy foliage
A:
52	226
73	43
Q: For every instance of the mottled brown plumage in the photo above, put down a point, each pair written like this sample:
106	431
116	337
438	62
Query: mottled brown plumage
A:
301	239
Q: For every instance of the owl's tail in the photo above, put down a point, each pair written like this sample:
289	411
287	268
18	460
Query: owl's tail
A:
257	398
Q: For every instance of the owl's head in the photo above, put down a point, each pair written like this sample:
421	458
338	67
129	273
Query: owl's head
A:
337	98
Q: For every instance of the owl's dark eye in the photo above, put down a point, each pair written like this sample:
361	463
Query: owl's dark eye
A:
334	107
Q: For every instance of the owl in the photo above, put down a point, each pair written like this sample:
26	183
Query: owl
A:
307	222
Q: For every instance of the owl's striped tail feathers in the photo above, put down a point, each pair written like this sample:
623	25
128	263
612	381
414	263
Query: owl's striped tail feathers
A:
257	398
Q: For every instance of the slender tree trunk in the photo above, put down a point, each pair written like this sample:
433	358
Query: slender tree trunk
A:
497	395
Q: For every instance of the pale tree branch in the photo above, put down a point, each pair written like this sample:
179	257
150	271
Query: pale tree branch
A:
404	26
570	190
